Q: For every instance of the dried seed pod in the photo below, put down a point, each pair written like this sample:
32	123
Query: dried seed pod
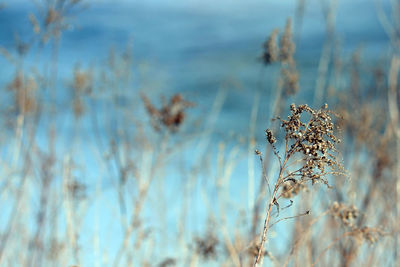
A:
271	50
270	137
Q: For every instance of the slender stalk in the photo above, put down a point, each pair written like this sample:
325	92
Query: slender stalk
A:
260	253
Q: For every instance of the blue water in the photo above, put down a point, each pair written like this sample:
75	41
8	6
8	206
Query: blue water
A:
197	48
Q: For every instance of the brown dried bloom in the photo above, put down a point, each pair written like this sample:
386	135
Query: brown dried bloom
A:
24	93
368	234
291	187
77	189
271	50
82	80
287	46
254	248
82	84
312	142
346	214
171	115
270	137
309	154
284	53
54	18
371	235
290	80
51	16
206	246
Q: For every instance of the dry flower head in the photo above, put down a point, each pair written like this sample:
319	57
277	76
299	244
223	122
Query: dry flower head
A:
206	246
286	44
291	188
171	115
271	49
346	214
24	93
309	142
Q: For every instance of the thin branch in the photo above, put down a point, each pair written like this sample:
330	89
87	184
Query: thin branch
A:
290	217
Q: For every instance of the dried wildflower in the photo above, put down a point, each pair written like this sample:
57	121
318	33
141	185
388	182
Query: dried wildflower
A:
346	214
287	46
368	234
309	144
270	137
290	80
206	246
81	85
77	189
171	115
313	141
83	80
371	235
291	187
253	250
284	53
271	50
383	159
52	16
24	93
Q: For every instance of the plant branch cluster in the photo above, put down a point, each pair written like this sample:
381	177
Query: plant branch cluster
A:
171	115
283	53
309	143
348	215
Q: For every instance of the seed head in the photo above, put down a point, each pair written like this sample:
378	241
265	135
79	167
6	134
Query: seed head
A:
270	137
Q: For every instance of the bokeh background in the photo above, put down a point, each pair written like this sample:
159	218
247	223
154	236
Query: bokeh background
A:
129	131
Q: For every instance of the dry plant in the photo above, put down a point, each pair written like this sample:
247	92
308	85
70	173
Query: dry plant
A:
81	86
151	171
171	115
310	155
287	86
283	53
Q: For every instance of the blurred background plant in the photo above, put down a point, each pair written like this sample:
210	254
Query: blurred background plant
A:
129	132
